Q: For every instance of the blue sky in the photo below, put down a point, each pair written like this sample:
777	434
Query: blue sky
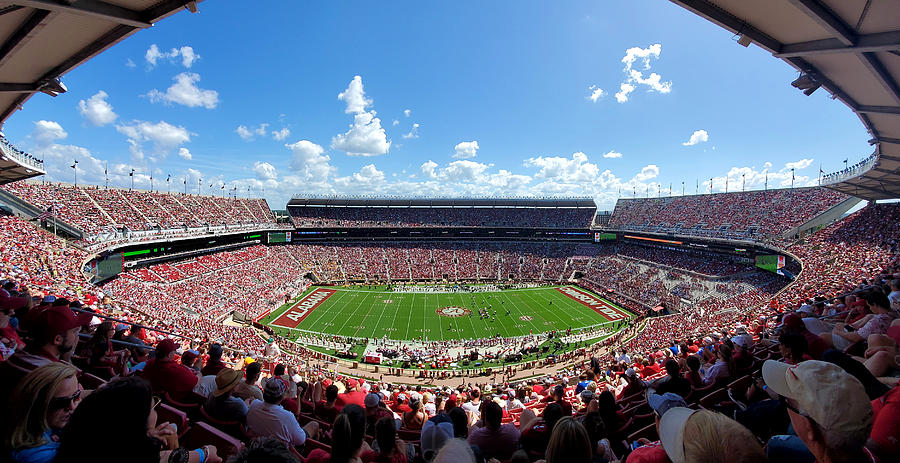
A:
447	99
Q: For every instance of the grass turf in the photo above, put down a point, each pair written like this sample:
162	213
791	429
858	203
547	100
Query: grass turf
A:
361	312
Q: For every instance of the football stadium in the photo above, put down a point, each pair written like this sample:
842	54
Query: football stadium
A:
212	301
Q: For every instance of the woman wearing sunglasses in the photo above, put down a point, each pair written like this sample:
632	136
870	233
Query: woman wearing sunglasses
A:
40	407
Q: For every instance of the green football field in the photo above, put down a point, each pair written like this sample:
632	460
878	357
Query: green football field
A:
360	312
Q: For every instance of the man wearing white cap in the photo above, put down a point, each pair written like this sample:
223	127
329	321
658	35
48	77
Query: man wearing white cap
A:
828	407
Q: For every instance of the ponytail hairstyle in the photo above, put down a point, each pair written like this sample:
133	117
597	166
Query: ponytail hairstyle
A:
347	433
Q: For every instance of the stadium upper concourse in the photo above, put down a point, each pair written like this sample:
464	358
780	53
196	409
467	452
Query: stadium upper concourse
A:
741	299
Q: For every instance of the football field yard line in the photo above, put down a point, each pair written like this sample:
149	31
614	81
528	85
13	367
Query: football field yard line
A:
549	309
352	316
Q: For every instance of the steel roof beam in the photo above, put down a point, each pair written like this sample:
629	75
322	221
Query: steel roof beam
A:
729	22
883	41
6	87
895	141
878	109
874	65
21	34
92	8
826	18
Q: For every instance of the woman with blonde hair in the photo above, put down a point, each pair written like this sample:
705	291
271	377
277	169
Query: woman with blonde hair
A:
40	407
702	435
569	442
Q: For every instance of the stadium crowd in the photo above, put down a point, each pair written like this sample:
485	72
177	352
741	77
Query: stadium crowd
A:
751	214
374	216
94	209
720	381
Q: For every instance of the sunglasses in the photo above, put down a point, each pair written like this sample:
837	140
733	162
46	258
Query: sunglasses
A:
59	403
789	404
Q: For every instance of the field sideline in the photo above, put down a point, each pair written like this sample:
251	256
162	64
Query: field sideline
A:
361	312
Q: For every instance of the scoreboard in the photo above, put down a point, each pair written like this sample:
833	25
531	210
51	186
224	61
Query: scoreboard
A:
598	237
279	237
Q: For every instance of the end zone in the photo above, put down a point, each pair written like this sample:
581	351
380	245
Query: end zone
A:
294	315
598	305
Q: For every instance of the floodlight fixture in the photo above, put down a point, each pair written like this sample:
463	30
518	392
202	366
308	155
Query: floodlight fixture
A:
806	82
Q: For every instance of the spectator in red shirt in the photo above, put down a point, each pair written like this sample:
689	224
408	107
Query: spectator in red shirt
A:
559	392
884	441
167	376
352	396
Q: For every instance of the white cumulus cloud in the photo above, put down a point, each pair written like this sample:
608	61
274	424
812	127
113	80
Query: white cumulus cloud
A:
97	110
162	135
414	132
465	150
264	170
153	55
596	93
46	132
185	92
310	162
612	155
365	137
634	75
576	169
282	134
185	153
249	133
699	136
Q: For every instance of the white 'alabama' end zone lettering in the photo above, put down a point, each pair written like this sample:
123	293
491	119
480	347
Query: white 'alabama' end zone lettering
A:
597	305
299	311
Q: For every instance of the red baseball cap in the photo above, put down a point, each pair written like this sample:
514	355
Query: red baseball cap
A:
57	320
165	347
8	302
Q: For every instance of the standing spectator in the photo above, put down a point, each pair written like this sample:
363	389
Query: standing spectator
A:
353	395
40	408
167	377
495	440
415	418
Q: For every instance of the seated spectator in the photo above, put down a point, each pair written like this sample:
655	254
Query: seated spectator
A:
415	418
612	420
353	395
559	394
495	440
474	403
693	372
705	436
264	450
598	437
672	382
792	323
653	451
129	430
455	451
812	391
214	363
376	410
884	441
101	353
536	432
793	348
53	335
248	388
722	369
390	449
167	377
325	409
347	435
41	406
9	339
842	338
223	406
434	436
268	418
568	443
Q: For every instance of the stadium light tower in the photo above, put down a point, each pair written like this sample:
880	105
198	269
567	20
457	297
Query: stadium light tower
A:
682	188
743	182
199	183
169	184
75	173
131	174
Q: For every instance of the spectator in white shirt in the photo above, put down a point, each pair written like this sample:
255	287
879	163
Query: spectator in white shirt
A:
268	418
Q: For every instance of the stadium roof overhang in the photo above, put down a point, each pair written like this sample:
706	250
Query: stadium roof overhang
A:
851	48
442	202
41	40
